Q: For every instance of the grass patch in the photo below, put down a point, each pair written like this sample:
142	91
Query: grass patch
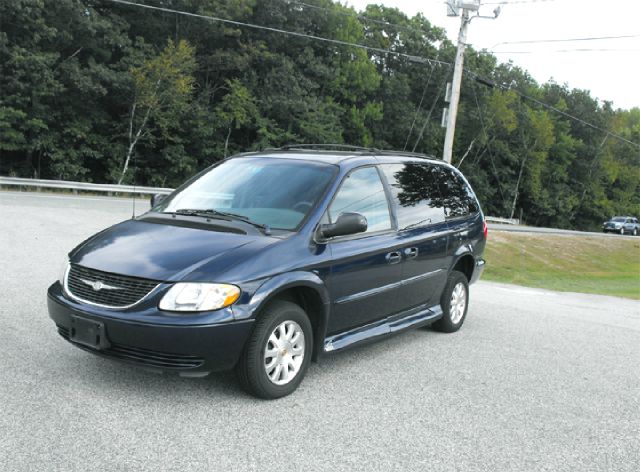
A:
587	264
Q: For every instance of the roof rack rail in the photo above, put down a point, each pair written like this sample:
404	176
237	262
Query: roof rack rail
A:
346	147
408	154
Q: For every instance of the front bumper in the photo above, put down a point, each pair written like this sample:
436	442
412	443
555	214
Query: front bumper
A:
190	349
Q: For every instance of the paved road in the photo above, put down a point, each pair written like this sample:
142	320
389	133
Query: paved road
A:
566	232
536	380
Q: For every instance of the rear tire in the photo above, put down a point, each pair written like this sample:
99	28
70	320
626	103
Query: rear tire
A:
284	329
635	231
454	302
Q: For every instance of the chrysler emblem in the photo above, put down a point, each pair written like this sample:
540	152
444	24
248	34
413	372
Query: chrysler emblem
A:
98	285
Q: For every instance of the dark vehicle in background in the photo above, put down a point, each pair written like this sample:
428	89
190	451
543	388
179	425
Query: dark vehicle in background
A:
622	225
268	260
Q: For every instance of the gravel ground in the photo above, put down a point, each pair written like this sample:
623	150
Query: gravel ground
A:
535	380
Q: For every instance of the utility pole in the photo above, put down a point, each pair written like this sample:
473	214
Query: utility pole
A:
453	8
455	88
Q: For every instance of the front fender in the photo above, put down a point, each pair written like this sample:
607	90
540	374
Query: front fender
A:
279	283
271	287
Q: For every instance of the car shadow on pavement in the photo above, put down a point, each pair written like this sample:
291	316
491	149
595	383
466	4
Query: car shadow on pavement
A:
130	380
127	379
375	352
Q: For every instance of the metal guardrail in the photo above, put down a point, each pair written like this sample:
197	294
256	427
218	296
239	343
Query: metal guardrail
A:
504	221
113	188
83	186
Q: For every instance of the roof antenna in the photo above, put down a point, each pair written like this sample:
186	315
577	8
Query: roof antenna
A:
135	173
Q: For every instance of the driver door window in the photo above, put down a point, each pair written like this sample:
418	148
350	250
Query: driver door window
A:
362	192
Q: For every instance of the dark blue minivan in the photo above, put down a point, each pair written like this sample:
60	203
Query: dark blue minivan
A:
268	260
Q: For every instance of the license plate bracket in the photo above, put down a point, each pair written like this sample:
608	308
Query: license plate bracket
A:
88	333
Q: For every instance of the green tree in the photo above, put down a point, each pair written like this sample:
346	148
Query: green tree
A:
163	88
85	85
236	109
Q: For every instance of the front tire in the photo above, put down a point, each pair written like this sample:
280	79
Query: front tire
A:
277	355
622	231
454	302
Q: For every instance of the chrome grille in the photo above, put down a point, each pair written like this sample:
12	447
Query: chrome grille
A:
104	288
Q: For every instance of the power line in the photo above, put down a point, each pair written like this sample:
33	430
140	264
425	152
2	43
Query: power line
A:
564	51
516	2
557	110
415	116
410	57
395	26
428	118
359	16
519	2
486	134
567	40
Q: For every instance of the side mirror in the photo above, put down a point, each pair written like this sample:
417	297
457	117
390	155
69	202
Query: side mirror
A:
347	223
157	199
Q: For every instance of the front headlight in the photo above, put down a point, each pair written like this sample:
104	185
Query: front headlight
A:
199	297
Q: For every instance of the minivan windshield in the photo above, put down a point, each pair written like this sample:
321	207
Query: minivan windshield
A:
619	219
278	193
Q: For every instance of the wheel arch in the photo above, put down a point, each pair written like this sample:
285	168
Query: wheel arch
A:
307	290
466	264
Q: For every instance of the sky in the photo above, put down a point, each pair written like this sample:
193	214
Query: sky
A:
610	69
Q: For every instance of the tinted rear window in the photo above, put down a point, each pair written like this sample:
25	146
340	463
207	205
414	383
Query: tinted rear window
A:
416	193
458	197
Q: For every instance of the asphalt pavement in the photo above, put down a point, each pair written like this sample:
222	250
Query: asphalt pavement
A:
535	380
565	232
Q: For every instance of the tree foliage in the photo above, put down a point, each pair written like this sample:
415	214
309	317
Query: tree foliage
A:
87	86
162	93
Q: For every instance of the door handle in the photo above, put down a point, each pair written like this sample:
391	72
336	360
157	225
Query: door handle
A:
410	252
393	257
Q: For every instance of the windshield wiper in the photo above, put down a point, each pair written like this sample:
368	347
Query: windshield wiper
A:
207	212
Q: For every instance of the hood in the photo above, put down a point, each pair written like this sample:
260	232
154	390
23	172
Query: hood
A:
158	251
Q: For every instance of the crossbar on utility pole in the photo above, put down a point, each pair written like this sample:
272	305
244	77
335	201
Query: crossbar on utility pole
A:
455	88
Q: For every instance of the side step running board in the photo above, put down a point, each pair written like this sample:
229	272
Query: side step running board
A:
394	324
